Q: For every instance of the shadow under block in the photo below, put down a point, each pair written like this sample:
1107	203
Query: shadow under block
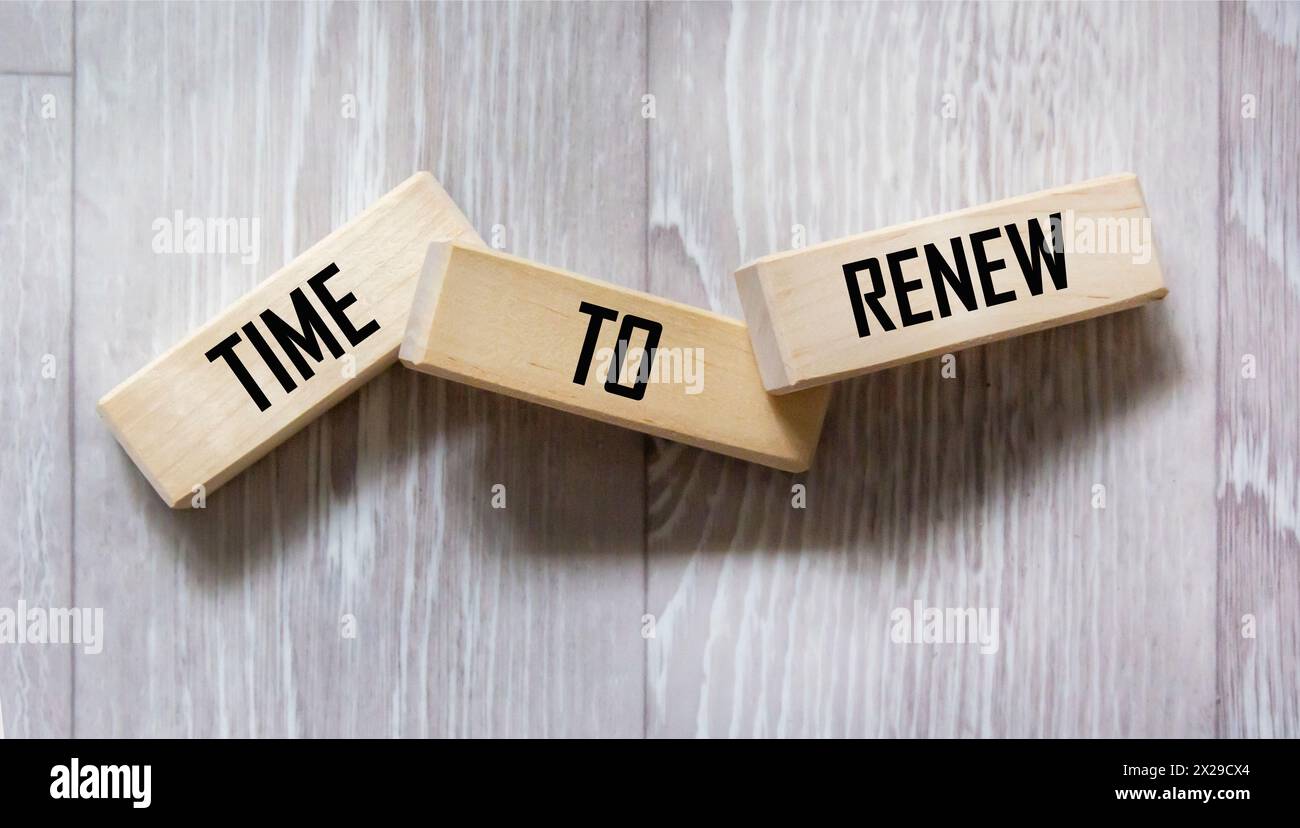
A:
295	345
505	324
929	287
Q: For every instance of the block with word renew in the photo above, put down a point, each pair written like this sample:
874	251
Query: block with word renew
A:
544	335
929	287
295	345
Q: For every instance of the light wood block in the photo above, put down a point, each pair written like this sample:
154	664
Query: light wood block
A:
929	287
304	339
541	334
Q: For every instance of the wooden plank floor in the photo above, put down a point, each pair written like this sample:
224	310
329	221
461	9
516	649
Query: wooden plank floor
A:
1258	436
359	580
35	378
974	491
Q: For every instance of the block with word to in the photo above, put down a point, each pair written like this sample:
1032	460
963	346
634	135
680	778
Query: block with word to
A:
912	291
295	345
505	324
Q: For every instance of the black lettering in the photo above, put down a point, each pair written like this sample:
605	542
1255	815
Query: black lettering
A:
872	299
1032	266
599	316
653	331
294	342
269	357
902	287
960	282
335	307
225	349
986	267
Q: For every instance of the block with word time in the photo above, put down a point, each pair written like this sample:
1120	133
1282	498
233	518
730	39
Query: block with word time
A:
505	324
299	342
912	291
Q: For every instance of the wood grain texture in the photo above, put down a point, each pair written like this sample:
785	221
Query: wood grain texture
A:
973	491
214	403
468	620
599	350
1259	375
968	492
36	37
940	284
35	377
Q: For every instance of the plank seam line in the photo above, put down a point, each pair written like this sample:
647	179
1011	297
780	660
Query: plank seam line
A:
72	379
647	444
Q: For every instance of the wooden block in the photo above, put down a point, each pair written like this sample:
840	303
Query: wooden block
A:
540	334
295	345
933	286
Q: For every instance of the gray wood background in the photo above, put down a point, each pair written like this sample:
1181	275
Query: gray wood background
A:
634	587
